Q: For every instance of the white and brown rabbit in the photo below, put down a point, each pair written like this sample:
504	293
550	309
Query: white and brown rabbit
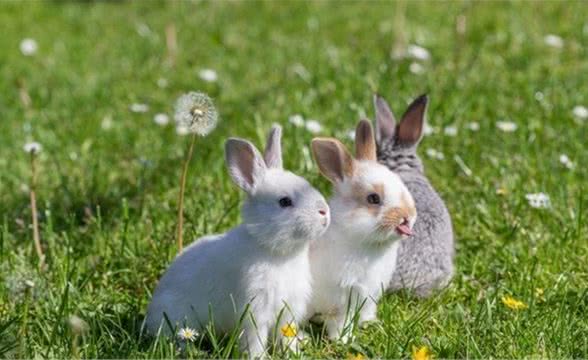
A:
425	262
353	262
261	265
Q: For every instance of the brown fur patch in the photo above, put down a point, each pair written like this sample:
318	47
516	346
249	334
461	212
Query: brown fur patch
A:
360	192
365	143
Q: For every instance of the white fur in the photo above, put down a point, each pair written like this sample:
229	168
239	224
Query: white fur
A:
261	265
351	264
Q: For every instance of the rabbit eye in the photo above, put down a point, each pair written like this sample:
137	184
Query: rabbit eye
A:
285	202
374	199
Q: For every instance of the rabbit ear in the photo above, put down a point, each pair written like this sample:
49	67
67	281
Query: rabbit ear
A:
245	164
273	148
332	158
410	129
385	121
365	144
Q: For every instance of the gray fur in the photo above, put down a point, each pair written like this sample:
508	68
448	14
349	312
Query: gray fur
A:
425	260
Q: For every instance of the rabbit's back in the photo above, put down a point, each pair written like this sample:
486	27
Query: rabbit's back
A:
203	277
425	260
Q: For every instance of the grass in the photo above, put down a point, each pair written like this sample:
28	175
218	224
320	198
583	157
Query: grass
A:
107	194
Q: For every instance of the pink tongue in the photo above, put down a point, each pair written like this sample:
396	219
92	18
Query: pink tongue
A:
403	229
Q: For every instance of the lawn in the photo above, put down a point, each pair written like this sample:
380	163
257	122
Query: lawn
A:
109	175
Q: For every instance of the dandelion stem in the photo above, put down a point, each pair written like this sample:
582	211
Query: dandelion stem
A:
182	190
36	237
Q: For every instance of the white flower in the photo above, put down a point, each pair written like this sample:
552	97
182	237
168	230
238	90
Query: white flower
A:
539	200
187	334
416	68
296	120
351	135
162	82
506	126
32	147
450	131
106	123
208	75
428	129
434	154
161	119
553	41
195	111
313	126
418	52
139	108
28	47
474	126
581	112
565	161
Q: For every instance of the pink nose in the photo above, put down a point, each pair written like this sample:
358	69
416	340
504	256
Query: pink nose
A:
322	212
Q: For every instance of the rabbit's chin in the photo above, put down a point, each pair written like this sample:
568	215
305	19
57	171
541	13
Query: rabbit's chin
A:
285	240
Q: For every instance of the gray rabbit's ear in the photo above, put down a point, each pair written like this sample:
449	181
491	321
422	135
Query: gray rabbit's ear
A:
385	121
245	164
273	148
332	158
365	144
410	129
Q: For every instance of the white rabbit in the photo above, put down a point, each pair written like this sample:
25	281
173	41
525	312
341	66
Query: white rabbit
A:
261	266
353	262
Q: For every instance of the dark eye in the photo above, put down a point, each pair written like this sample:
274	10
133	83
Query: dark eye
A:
373	199
285	202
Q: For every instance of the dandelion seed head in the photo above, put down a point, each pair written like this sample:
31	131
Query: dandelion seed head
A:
187	334
28	47
195	112
32	147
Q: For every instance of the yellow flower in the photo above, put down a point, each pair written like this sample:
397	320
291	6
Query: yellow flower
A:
422	353
289	330
501	191
513	303
358	356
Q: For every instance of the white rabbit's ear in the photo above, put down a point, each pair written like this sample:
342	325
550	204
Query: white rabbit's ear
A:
365	144
385	121
245	164
410	129
273	148
332	158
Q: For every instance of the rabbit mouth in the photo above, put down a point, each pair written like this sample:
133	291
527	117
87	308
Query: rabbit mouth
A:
404	228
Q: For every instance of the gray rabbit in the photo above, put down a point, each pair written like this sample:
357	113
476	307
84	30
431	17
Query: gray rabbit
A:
425	260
